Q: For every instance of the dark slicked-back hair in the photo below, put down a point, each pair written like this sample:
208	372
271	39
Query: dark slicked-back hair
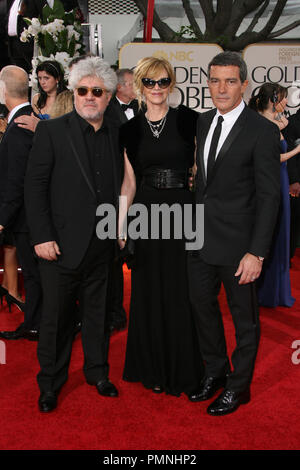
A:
230	58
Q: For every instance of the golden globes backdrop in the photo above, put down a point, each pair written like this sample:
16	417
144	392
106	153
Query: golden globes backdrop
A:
190	62
277	63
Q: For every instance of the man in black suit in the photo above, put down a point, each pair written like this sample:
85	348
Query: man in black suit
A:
122	107
14	152
292	134
75	165
21	53
238	162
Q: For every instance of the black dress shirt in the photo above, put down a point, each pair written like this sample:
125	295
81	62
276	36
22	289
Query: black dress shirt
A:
97	146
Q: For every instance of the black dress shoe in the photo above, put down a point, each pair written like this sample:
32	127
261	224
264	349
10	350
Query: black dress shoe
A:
77	328
228	402
107	389
47	402
31	335
118	325
208	387
157	389
16	334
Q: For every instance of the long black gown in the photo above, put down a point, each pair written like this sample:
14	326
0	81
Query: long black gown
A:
162	346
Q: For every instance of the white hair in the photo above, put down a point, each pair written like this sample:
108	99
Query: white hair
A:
93	67
16	81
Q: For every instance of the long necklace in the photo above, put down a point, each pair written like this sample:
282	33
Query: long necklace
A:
157	129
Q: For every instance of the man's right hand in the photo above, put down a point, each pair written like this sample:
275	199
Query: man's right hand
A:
47	250
295	189
27	122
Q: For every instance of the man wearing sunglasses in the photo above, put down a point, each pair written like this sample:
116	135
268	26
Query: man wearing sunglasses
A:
75	165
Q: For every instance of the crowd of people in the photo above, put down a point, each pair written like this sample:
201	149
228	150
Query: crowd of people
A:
74	150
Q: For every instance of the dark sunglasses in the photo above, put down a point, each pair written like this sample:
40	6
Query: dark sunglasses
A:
162	83
83	91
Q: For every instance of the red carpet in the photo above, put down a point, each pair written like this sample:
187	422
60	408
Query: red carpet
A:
139	419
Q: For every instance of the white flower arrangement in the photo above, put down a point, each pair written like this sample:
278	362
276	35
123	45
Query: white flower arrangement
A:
57	36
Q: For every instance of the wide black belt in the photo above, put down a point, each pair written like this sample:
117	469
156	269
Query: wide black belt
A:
166	178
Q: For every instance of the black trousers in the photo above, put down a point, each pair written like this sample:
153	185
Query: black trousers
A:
32	282
61	288
205	283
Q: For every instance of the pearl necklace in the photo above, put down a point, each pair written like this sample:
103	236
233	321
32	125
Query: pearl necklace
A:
155	127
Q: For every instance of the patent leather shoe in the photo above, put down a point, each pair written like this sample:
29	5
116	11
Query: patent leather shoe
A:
208	387
107	389
118	324
157	389
31	335
16	334
47	402
228	402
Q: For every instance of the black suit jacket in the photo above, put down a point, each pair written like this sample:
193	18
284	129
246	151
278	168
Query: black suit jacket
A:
292	133
33	9
14	152
242	197
60	198
116	113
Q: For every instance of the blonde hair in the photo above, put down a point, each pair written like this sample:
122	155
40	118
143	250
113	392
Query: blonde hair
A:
150	67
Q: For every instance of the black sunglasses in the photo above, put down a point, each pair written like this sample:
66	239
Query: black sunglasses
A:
162	83
96	91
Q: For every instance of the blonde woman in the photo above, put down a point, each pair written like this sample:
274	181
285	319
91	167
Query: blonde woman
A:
162	349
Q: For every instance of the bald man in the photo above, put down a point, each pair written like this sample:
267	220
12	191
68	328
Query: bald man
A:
14	151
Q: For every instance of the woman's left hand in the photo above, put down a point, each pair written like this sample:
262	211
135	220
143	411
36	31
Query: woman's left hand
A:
121	243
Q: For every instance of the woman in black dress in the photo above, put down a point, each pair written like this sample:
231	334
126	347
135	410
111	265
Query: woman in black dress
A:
162	348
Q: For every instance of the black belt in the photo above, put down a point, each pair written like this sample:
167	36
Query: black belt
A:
166	179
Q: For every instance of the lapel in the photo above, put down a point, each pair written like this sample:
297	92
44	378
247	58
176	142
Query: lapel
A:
201	138
236	129
121	117
135	106
75	137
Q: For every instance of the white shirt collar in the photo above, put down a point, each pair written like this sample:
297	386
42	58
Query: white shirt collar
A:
16	109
